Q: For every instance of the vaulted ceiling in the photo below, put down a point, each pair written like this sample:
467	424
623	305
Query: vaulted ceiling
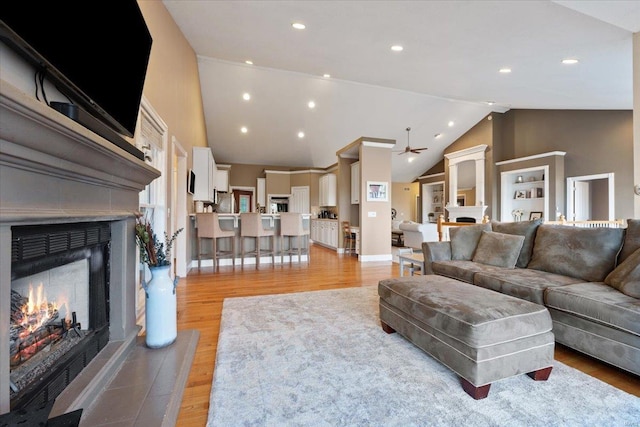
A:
440	84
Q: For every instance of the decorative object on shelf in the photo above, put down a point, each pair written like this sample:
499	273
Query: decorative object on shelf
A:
520	194
160	291
394	213
535	215
519	179
517	214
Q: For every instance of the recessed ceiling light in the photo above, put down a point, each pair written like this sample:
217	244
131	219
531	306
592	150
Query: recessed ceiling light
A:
311	104
411	159
246	96
326	76
437	135
490	102
505	70
397	48
298	26
248	62
570	61
451	123
244	129
300	134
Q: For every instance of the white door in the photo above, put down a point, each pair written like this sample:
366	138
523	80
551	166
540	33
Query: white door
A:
581	201
299	201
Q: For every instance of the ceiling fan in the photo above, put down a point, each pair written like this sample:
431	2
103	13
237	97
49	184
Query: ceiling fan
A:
408	148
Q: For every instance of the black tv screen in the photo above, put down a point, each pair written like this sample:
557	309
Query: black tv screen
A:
95	52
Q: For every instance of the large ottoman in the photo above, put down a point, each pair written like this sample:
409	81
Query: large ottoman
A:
480	334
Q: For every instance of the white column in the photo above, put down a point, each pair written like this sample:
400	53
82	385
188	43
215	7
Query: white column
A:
479	182
453	184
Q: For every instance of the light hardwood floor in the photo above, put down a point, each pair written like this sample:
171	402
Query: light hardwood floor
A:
200	297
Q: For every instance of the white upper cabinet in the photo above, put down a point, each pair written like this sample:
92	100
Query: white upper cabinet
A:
205	170
355	183
328	196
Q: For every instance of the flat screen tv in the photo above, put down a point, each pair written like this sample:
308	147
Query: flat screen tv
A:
95	52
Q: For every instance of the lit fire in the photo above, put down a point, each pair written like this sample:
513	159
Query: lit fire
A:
37	312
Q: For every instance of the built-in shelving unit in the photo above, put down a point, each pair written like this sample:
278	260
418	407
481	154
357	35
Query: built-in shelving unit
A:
531	187
433	194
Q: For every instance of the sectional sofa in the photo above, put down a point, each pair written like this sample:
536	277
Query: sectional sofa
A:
588	278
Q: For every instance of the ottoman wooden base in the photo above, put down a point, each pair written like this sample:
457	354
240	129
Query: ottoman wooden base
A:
482	335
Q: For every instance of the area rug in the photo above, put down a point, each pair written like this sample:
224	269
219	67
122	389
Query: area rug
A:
321	359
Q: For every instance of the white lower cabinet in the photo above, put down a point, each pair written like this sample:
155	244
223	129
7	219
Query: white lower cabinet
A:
325	232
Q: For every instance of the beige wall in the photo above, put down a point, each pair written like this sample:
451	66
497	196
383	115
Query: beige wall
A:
403	200
172	84
596	142
487	131
375	232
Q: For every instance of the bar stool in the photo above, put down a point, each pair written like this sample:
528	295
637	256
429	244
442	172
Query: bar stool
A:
251	226
348	238
291	226
209	228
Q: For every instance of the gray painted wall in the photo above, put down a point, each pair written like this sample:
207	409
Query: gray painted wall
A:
596	141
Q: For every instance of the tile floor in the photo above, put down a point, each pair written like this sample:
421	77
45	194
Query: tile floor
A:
147	391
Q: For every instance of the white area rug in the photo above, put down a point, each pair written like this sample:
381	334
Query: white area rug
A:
322	359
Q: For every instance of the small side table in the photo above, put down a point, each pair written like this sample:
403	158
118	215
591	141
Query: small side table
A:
415	261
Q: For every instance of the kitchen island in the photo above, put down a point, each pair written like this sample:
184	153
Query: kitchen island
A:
230	221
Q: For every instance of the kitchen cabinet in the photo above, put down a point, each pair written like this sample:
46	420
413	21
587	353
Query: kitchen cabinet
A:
325	232
355	183
261	190
222	180
205	170
328	196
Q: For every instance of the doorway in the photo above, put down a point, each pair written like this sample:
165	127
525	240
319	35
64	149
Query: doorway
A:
591	197
243	201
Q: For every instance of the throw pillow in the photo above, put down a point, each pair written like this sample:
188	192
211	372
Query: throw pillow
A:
626	277
464	240
584	253
523	228
499	249
631	239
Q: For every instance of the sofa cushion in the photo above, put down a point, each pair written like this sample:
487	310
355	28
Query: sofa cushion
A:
523	283
498	249
597	302
631	239
522	228
626	276
461	270
464	240
585	253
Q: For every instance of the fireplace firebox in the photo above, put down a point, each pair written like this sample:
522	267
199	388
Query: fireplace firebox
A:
60	322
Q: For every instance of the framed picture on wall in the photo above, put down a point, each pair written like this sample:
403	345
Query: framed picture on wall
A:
535	215
377	191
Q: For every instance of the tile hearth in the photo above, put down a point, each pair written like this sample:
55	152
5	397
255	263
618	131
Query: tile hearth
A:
147	391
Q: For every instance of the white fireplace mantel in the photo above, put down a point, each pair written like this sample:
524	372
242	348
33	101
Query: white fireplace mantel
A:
476	212
52	170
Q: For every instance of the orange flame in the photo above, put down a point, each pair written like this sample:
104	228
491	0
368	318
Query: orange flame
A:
37	311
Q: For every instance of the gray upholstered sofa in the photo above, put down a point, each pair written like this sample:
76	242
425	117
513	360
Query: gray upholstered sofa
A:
588	278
